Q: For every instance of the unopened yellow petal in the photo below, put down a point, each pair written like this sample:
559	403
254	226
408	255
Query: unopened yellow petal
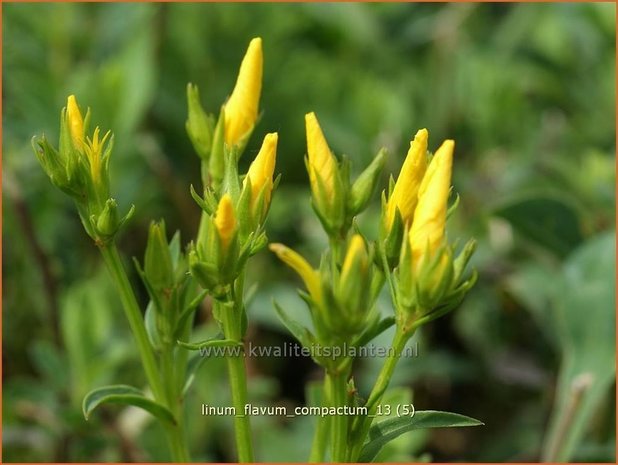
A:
225	220
356	258
322	163
94	151
405	193
295	261
262	168
76	122
428	227
241	109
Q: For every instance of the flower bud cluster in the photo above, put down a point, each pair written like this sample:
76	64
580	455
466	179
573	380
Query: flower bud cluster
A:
341	298
335	199
235	206
80	168
428	279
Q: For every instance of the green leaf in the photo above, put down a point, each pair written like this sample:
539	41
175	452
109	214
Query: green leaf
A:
302	334
547	221
194	364
385	431
375	330
210	343
188	312
150	321
584	316
127	395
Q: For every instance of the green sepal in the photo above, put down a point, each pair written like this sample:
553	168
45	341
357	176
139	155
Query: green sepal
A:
453	207
391	239
199	124
158	266
230	261
258	243
231	180
174	248
216	163
364	186
59	169
246	218
106	225
459	264
206	274
330	208
449	303
208	203
435	278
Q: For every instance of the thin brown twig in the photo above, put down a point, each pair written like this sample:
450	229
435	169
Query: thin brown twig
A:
50	285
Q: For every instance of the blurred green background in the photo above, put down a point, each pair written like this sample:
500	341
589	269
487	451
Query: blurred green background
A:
526	90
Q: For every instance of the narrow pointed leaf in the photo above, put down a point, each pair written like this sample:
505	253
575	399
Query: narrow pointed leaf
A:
209	343
127	395
385	431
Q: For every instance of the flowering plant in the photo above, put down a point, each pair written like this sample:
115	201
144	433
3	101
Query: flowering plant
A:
411	254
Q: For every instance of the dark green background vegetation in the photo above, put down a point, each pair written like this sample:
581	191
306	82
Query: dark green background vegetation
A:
526	90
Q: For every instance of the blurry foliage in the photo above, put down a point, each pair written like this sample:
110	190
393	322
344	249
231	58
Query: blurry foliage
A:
526	90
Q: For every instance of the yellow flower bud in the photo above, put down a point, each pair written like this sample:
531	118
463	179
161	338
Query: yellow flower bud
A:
76	122
405	193
356	259
310	277
428	227
241	109
262	169
225	220
93	149
322	163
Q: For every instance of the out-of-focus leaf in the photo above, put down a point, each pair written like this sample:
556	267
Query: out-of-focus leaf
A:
534	286
585	321
547	221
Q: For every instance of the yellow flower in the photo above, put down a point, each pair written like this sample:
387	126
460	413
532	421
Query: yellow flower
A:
355	259
241	109
428	227
322	163
76	122
262	168
310	277
405	193
225	220
93	149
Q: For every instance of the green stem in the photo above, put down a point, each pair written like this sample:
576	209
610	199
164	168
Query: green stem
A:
176	436
339	423
320	437
231	323
163	388
238	383
362	424
177	442
134	315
